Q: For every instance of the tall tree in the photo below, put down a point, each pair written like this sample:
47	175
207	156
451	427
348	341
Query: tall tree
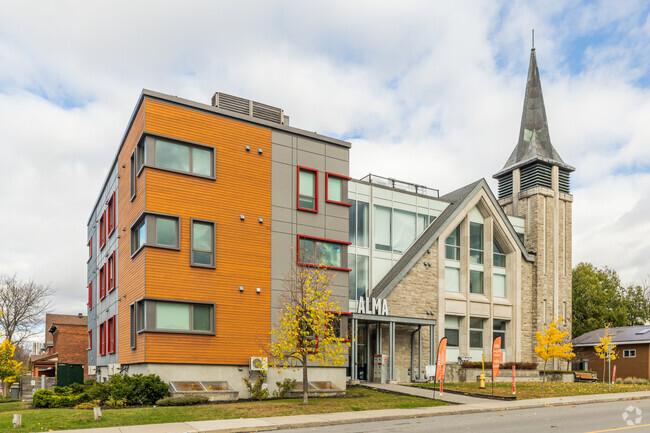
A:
307	330
23	303
600	299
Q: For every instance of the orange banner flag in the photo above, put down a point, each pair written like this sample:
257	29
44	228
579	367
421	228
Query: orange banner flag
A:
496	357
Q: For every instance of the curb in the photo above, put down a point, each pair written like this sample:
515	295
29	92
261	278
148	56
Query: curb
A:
337	418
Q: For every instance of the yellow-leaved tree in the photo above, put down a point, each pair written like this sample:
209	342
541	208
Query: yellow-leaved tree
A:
551	345
606	350
308	328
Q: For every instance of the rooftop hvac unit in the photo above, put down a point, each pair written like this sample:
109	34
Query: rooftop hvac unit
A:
258	363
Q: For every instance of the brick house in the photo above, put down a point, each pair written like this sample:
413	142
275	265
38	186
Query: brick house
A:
66	341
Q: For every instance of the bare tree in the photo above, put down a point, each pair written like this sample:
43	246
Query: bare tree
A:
23	304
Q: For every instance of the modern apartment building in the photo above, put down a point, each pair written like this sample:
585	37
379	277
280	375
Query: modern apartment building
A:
206	207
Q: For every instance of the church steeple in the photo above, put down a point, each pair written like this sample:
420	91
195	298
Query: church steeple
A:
534	154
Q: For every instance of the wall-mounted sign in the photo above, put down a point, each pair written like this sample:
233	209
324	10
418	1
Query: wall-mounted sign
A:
372	306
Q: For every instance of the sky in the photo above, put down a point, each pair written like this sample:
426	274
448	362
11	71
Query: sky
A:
429	92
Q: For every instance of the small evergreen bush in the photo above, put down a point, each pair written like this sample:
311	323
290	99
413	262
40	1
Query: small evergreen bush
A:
183	401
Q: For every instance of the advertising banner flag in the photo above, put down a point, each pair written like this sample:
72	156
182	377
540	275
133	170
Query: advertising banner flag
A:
442	359
496	357
614	374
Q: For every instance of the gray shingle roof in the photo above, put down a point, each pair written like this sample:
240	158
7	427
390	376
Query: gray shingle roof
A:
622	335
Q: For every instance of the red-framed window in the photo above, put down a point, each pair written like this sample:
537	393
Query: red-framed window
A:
111	214
335	191
102	282
102	338
90	339
314	341
336	325
90	296
110	337
330	254
102	231
90	249
307	189
110	277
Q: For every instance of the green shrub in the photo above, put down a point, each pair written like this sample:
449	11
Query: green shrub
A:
258	391
43	398
60	397
284	387
97	390
183	401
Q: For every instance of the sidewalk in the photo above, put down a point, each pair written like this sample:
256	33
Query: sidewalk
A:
325	419
425	393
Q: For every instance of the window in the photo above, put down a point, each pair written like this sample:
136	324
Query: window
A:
90	339
90	249
476	332
133	325
90	296
629	353
499	257
102	338
475	243
156	230
203	244
358	276
359	216
423	223
452	330
141	154
110	337
141	311
180	317
404	230
102	230
111	272
316	251
102	282
475	281
383	225
186	158
499	330
111	214
307	189
499	285
452	279
452	245
336	188
134	174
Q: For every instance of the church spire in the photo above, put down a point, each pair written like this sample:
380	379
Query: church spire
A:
534	144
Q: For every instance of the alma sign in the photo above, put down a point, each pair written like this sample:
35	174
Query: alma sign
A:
372	306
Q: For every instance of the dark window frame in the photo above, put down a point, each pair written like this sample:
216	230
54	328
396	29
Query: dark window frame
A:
111	338
151	221
111	215
149	150
90	339
111	277
213	264
150	312
102	338
134	175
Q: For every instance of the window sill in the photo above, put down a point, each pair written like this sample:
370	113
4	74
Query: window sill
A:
331	268
198	265
178	331
479	297
501	301
455	295
307	210
339	203
111	232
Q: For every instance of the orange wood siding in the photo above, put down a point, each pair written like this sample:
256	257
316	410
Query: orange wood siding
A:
243	250
130	273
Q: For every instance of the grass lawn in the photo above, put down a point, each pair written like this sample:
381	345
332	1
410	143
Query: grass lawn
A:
534	389
357	399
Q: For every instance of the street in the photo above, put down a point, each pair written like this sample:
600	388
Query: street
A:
585	418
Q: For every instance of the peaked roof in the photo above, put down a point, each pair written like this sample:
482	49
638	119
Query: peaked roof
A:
621	335
534	139
458	200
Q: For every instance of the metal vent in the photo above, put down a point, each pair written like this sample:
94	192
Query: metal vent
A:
249	108
565	184
505	185
536	175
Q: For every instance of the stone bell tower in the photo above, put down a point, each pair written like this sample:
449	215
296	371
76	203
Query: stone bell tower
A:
534	184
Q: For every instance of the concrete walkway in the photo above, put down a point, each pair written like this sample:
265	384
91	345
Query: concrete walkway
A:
337	418
425	393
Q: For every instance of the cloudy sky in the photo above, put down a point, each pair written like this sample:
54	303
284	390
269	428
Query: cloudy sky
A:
430	92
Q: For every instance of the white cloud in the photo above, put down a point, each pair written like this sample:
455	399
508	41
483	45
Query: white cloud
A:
430	92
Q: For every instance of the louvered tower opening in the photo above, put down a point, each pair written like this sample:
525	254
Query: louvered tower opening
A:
534	175
565	185
505	185
249	108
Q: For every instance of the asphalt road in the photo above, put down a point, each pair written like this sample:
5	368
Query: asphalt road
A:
585	418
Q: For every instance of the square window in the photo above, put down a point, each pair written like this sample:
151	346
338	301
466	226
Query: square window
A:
155	230
499	285
166	231
336	189
307	189
452	279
